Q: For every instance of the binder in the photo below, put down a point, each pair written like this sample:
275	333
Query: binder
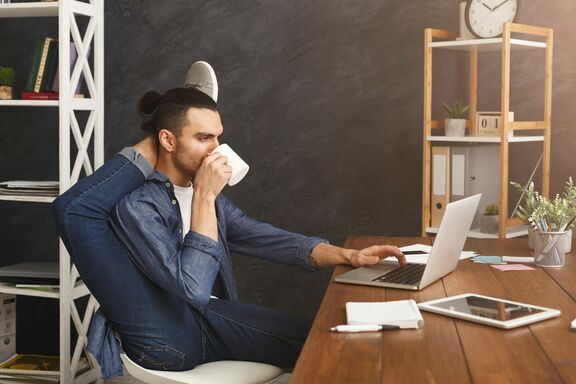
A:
440	184
458	173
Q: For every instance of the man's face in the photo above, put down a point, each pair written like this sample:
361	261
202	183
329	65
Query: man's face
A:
196	140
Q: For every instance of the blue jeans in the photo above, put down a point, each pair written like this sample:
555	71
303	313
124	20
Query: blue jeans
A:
158	330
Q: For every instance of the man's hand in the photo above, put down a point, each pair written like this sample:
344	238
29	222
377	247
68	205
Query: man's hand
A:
212	176
148	147
326	255
373	254
210	179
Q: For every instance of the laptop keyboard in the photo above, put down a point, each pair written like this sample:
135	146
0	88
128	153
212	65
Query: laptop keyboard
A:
409	274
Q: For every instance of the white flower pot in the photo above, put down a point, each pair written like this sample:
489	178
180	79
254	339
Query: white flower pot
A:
489	223
455	127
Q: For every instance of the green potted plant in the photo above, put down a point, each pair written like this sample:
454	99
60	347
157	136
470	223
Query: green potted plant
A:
7	78
554	214
489	220
455	123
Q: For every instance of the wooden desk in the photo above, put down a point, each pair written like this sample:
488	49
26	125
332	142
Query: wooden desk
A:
448	350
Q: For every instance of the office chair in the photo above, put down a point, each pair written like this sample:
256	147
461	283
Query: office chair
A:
217	372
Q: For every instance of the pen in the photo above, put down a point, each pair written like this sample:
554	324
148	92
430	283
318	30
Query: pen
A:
363	328
533	224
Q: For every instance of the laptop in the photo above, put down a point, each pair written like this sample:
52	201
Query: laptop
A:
443	259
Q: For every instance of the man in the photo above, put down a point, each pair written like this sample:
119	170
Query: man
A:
179	230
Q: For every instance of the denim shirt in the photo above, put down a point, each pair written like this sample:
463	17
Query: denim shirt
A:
149	223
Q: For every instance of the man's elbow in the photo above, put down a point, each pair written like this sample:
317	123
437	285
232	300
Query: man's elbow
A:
199	300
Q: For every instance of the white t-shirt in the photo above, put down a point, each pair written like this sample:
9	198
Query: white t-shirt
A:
184	197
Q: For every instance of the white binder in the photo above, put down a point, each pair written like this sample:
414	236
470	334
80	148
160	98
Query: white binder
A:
440	184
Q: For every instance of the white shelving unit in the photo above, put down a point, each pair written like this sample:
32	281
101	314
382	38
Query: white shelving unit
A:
483	139
534	39
494	44
67	12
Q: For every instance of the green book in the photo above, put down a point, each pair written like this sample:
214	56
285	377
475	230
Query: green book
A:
50	68
35	64
42	65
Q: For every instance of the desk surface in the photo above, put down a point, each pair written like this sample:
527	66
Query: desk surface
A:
448	350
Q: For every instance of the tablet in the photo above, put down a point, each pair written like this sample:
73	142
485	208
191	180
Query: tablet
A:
489	310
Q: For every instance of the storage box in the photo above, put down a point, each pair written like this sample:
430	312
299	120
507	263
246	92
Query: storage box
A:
7	314
7	347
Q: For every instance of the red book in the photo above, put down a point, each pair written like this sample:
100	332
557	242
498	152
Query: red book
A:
39	96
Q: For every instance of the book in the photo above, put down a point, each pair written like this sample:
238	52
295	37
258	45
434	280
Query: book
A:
36	365
35	63
27	184
32	364
30	188
50	68
39	96
38	273
73	58
402	313
42	64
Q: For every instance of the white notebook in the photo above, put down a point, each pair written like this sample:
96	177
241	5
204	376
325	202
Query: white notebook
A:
403	313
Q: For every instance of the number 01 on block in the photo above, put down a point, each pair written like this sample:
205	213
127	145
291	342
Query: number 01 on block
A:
490	123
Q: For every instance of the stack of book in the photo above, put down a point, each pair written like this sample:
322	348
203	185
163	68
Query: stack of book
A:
36	368
29	188
43	79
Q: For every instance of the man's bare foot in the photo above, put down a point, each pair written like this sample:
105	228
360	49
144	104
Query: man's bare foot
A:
148	147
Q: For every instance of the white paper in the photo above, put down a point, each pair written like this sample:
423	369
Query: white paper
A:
423	259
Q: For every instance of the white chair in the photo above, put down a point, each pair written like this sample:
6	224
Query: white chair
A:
217	372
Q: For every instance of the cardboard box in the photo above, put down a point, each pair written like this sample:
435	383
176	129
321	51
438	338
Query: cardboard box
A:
7	314
7	346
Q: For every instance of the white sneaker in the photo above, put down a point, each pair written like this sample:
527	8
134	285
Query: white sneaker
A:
201	75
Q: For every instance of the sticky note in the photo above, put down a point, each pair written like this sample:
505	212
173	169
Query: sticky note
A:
513	267
488	259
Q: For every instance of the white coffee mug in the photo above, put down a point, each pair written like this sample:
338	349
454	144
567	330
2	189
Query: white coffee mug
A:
239	166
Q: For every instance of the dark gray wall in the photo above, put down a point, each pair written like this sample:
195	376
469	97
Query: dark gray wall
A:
322	98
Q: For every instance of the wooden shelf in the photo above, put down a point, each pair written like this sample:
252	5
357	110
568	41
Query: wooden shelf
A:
29	103
475	233
77	104
79	290
38	9
494	44
483	139
30	199
536	39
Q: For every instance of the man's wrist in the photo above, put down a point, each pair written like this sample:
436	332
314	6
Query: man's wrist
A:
324	255
203	195
346	255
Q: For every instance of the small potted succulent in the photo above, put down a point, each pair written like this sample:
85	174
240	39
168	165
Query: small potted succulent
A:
7	78
455	123
489	220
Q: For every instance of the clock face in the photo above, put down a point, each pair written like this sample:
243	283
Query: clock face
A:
485	18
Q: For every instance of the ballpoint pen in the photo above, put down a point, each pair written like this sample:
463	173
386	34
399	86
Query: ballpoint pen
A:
363	328
533	224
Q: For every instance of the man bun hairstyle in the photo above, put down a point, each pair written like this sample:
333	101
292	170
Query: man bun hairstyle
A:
168	111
